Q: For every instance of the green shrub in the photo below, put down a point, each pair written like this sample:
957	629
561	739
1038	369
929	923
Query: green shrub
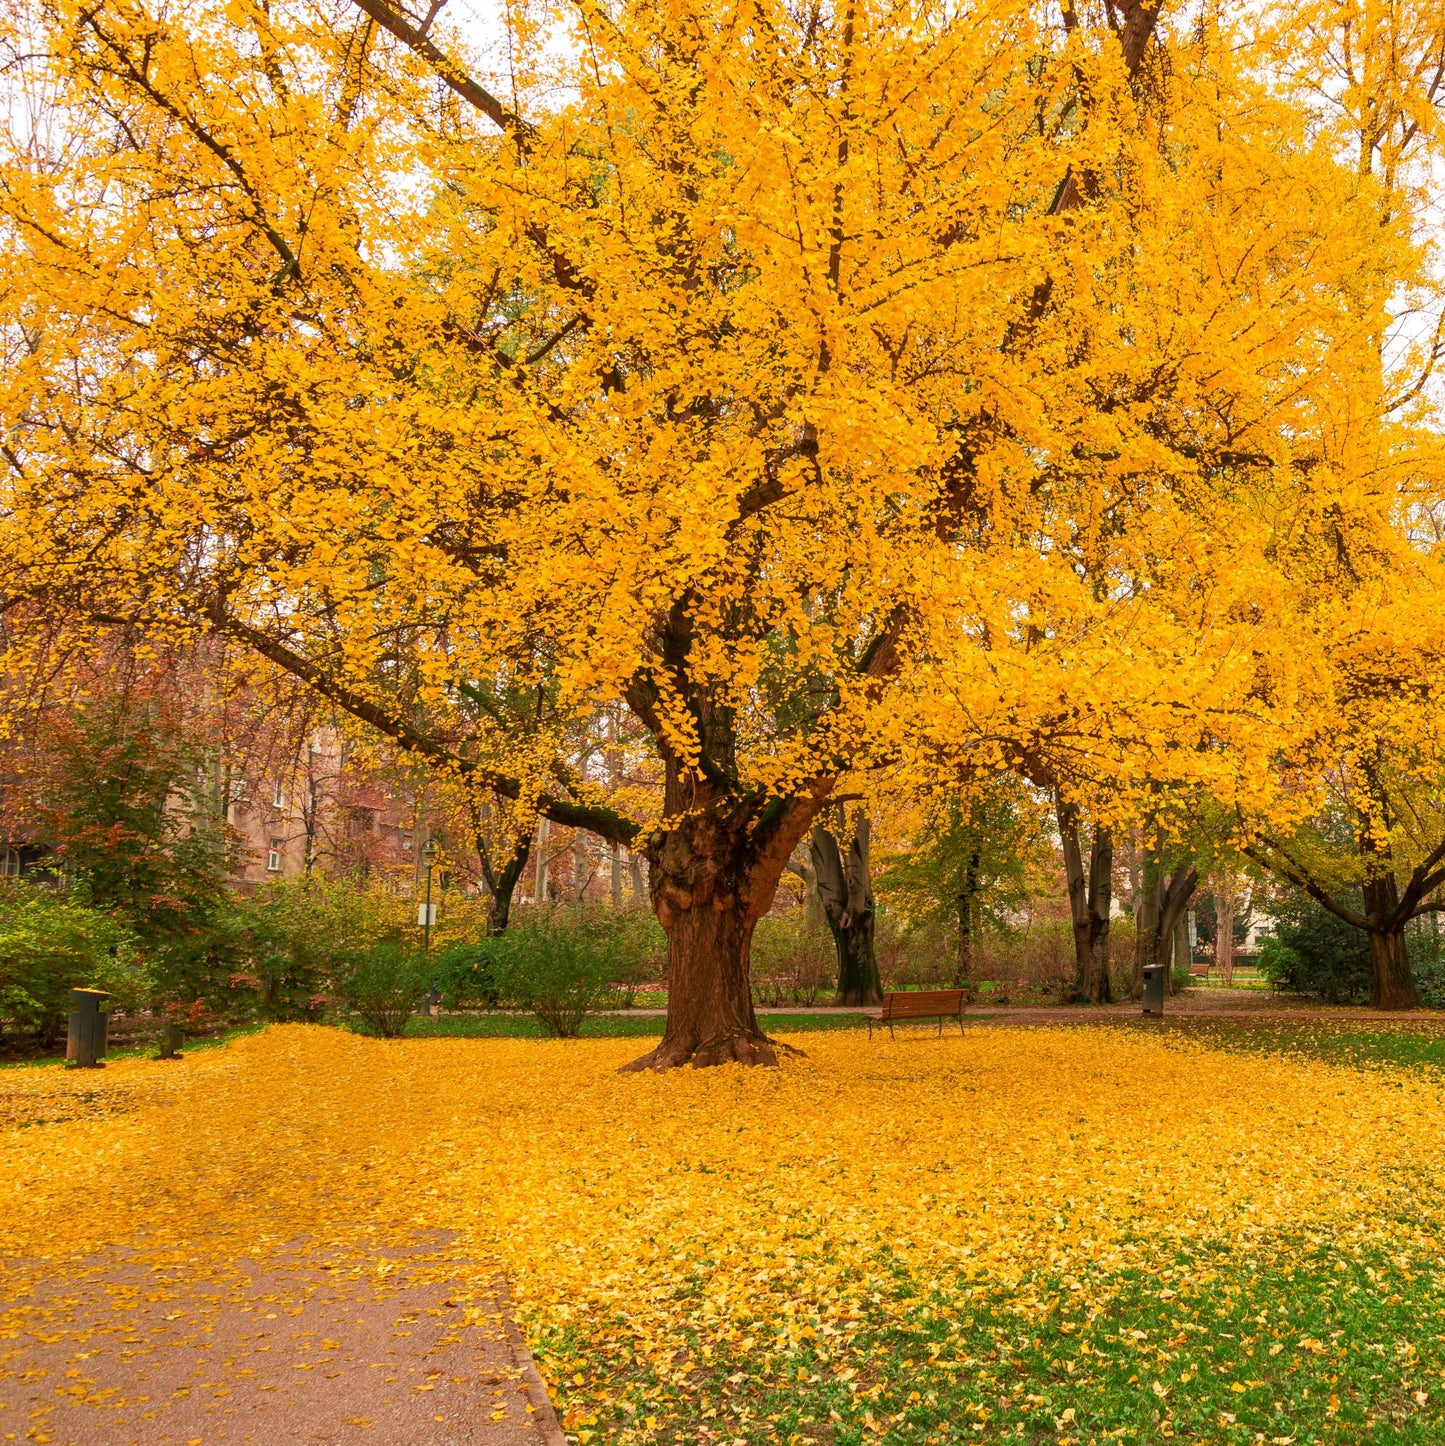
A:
384	984
297	933
1312	951
634	942
51	944
559	964
465	975
793	959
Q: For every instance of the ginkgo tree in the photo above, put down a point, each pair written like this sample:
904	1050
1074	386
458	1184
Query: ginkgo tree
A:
843	388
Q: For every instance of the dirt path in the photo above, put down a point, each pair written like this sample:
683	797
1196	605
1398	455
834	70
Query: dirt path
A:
297	1349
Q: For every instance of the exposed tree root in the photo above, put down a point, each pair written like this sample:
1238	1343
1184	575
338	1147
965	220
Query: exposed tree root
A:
735	1047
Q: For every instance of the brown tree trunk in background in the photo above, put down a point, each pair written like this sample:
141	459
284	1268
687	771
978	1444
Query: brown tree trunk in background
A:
1181	953
581	868
1078	889
1160	908
845	890
502	884
1224	928
1097	986
1091	900
1392	986
963	968
639	884
539	887
615	849
713	873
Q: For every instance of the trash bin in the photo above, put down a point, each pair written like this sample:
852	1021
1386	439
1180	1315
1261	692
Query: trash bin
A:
1153	989
89	1032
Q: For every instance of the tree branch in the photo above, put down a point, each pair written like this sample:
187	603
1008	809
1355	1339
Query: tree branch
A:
470	91
604	822
1287	871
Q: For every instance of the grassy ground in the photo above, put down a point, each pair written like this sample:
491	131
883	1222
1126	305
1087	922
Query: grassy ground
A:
599	1026
140	1051
1411	1045
1215	1231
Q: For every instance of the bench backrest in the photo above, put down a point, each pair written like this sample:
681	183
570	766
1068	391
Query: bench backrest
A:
922	1003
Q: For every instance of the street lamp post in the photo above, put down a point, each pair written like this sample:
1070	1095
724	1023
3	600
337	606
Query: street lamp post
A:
427	914
428	909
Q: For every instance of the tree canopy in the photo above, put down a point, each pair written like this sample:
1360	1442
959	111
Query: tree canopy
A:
845	389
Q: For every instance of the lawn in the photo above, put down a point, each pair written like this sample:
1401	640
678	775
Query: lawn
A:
1044	1235
596	1026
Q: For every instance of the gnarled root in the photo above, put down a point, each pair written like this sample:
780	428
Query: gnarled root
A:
735	1047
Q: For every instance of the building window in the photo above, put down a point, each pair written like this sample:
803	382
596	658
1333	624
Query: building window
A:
273	856
10	864
278	797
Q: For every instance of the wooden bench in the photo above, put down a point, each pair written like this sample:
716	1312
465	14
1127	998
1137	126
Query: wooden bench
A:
939	1004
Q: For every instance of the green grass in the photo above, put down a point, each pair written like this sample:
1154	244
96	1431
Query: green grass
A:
1309	1344
149	1050
1412	1045
598	1026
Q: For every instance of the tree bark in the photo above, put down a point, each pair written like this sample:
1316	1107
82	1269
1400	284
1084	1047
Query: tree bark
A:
1160	908
1224	929
503	885
1090	904
1180	954
1097	986
963	969
845	889
1392	986
713	872
539	887
1078	888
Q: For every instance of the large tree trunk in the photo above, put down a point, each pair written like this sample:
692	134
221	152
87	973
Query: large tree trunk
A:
1392	984
713	874
845	890
1394	987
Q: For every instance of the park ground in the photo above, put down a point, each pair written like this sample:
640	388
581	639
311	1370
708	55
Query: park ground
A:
1227	1229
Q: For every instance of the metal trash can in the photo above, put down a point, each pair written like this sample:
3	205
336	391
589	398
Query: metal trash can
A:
1153	989
89	1028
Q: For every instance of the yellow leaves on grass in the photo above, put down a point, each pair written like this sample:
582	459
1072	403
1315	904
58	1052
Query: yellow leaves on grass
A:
724	1211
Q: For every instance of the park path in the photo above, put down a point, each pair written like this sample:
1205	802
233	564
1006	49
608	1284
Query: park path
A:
1194	1003
293	1349
244	1246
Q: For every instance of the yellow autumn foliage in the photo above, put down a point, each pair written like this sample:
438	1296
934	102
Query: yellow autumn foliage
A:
731	1212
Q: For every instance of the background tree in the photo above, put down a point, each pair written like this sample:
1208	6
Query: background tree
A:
977	856
842	876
